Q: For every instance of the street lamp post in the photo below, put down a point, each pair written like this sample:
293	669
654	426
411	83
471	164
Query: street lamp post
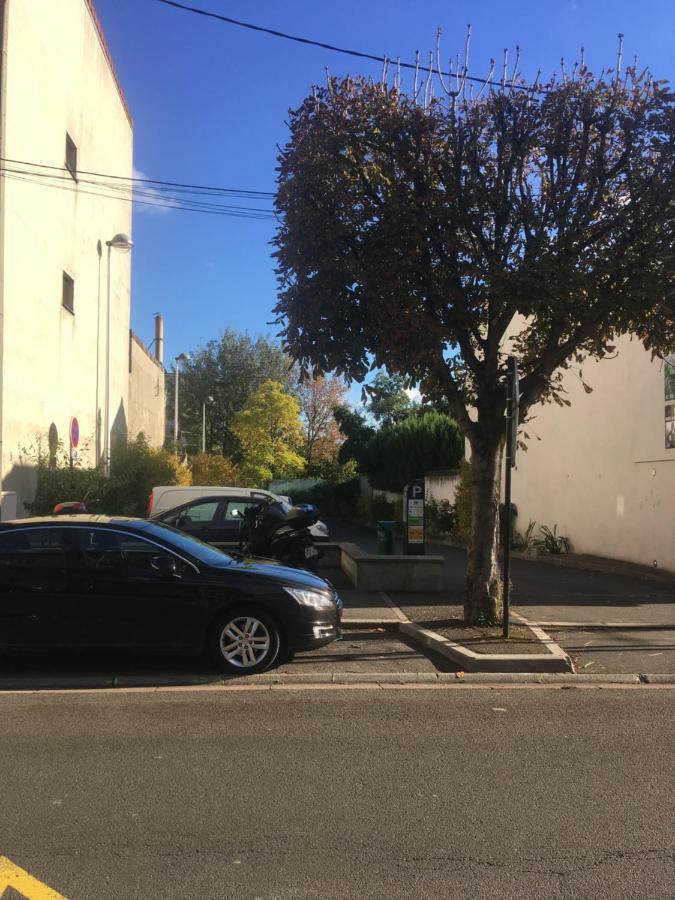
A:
206	400
182	357
123	243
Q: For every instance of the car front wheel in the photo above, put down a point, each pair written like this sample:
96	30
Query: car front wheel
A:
244	642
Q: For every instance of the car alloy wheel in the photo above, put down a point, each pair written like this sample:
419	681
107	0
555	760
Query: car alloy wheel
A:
245	642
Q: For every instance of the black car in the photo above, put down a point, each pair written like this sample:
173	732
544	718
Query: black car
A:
97	581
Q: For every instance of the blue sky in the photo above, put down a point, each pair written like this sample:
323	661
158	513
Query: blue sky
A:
209	102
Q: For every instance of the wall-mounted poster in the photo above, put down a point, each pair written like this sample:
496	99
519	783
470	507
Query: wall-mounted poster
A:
670	426
669	373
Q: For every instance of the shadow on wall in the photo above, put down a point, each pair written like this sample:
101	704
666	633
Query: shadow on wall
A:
119	429
21	478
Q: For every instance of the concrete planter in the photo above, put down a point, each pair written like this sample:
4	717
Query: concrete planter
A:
371	572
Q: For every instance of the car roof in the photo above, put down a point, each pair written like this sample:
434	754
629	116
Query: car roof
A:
72	519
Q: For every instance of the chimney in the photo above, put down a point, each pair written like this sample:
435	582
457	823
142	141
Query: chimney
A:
159	338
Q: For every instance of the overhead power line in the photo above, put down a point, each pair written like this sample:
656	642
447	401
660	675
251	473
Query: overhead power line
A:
334	49
243	192
129	194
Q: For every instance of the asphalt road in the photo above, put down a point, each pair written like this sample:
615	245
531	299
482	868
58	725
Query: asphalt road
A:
447	792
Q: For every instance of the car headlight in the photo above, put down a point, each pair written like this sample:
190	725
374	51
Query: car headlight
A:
317	599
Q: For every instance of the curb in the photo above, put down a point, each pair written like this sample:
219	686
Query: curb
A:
349	679
618	626
493	662
657	679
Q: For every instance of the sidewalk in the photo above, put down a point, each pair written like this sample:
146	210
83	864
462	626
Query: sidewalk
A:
608	622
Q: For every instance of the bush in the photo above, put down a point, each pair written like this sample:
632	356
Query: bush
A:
214	469
57	485
399	453
332	499
441	517
551	541
371	510
135	468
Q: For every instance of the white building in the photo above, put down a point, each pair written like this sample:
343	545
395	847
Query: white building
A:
603	469
63	115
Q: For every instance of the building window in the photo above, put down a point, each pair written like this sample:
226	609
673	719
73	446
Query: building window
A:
68	299
71	156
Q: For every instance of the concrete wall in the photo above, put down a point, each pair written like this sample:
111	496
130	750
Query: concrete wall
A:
59	79
147	398
442	485
601	469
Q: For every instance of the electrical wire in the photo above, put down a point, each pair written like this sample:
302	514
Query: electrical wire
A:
197	188
151	193
172	202
334	49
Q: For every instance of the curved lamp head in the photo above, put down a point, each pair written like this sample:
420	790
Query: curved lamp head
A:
121	242
183	358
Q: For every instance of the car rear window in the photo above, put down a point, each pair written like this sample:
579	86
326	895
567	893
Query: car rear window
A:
41	548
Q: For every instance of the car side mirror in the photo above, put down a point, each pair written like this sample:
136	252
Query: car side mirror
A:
165	566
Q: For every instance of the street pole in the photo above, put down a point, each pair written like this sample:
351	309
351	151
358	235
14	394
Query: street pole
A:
108	387
511	429
204	426
175	406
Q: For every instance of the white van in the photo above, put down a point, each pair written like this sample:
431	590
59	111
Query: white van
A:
169	496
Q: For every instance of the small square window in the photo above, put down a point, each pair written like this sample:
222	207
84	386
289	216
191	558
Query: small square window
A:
68	299
71	156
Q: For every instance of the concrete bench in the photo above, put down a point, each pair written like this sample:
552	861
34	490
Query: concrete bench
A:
373	572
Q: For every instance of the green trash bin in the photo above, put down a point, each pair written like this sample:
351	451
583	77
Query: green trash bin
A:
385	538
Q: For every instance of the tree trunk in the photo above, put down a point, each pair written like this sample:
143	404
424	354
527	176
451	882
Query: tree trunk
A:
483	592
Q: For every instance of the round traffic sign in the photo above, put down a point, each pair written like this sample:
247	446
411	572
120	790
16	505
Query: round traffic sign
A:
74	432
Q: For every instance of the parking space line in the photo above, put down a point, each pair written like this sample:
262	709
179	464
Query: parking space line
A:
16	878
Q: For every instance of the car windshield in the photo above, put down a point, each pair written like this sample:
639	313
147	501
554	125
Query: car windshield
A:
181	541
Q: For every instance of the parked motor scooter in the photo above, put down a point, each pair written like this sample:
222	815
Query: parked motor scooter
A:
269	530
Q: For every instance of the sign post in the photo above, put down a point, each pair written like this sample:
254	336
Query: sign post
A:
74	435
413	498
512	403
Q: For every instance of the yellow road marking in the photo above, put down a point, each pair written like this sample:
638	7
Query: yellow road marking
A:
12	876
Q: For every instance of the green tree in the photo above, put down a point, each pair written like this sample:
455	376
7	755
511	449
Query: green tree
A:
269	432
389	402
396	454
229	370
434	237
357	433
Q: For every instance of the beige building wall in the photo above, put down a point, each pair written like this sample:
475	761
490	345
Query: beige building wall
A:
147	398
59	78
601	469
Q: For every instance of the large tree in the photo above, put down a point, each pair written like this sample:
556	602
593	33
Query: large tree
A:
356	432
269	432
389	401
436	237
323	438
405	450
228	370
